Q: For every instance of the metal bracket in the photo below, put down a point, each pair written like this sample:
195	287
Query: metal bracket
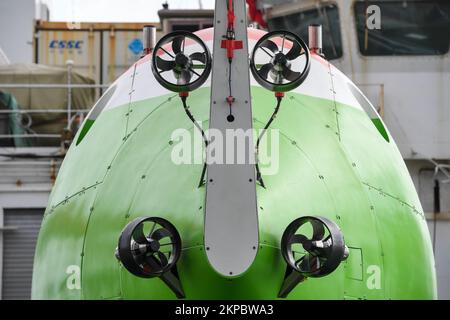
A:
231	217
291	279
170	278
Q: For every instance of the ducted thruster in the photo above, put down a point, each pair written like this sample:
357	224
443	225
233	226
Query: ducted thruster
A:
150	247
280	61
181	61
312	246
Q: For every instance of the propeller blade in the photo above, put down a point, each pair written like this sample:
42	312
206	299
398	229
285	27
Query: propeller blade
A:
308	263
152	264
176	44
294	52
160	233
298	238
162	259
164	65
307	244
303	263
318	230
138	234
269	44
314	263
264	71
184	77
290	75
198	56
140	258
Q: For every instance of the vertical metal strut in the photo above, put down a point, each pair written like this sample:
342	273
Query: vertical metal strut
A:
231	221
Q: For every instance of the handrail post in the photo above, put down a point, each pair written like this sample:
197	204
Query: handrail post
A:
69	64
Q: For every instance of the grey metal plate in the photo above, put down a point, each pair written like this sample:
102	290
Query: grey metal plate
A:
231	221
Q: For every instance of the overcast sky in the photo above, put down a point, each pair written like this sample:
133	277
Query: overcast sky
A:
116	10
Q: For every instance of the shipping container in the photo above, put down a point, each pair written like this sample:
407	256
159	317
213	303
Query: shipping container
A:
100	51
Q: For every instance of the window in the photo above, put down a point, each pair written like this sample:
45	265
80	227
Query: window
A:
407	28
327	16
190	24
186	27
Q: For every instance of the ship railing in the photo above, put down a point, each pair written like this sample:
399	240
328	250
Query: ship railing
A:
71	114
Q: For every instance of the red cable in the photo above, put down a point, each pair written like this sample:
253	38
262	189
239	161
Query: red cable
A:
231	16
231	44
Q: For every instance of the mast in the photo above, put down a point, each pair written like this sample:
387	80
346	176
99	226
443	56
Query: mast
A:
231	221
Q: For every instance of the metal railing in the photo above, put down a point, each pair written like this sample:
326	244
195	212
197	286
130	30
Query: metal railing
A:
41	111
51	86
71	114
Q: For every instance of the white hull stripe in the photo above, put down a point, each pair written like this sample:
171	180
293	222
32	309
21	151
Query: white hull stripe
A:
146	86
